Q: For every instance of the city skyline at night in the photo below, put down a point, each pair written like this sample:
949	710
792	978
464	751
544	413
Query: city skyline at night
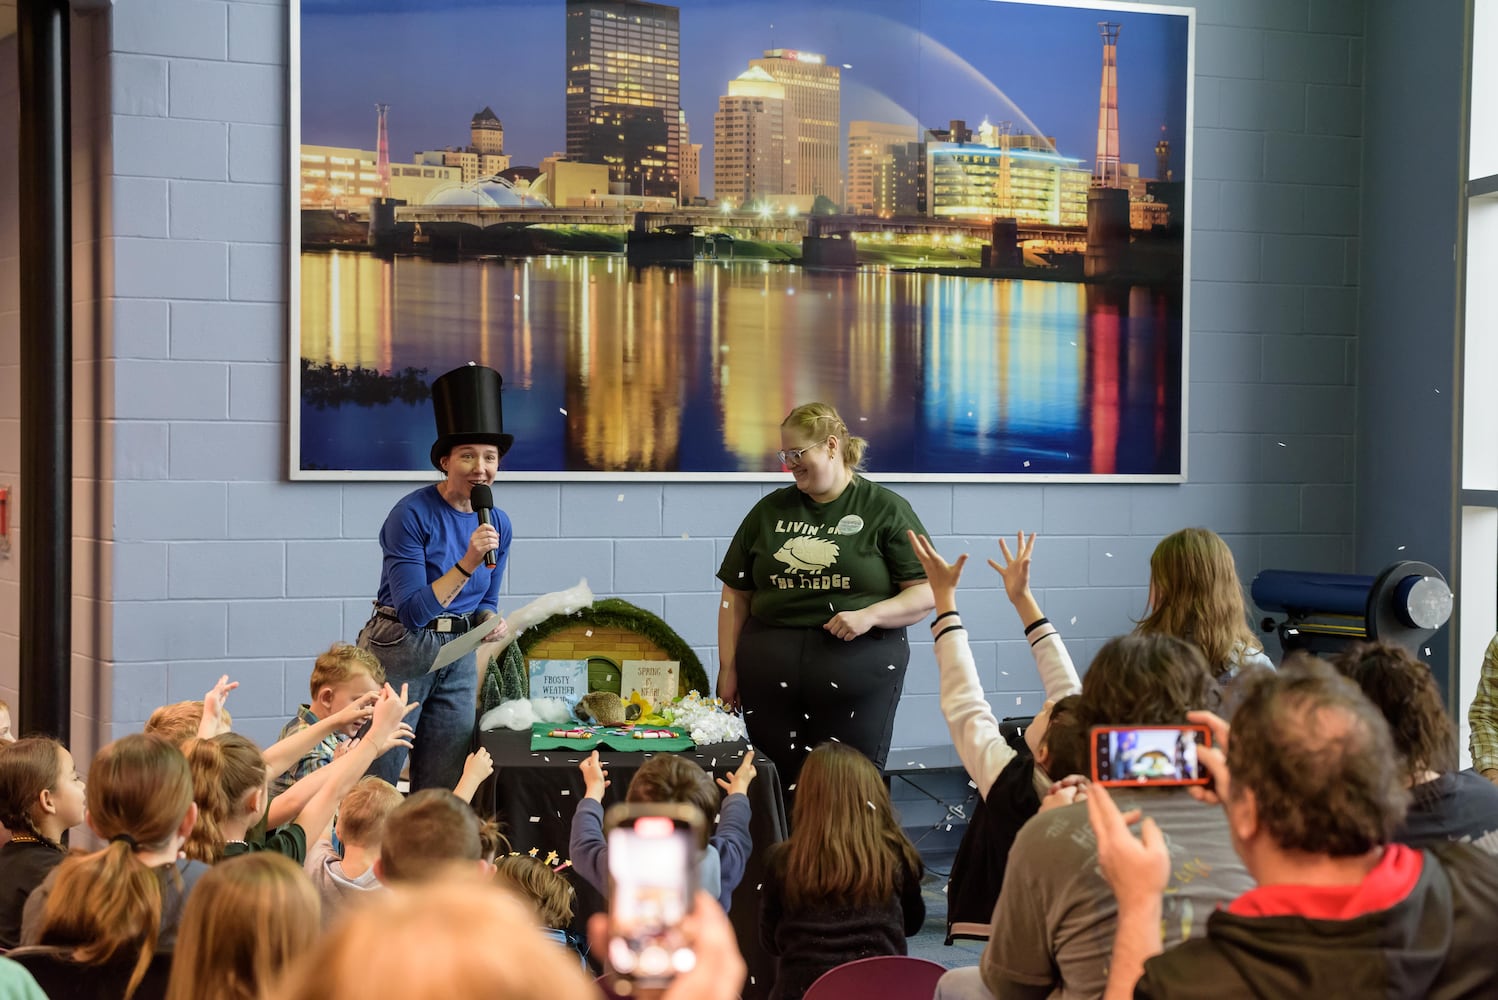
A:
918	65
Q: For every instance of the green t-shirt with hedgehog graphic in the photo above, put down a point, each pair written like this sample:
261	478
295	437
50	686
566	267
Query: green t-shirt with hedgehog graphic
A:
806	561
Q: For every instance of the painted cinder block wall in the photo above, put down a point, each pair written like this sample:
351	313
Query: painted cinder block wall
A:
219	564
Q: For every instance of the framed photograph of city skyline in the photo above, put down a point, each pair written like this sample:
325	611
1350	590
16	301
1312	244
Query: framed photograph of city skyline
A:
964	223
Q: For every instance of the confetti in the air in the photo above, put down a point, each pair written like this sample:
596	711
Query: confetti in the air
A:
1073	619
784	684
535	819
834	683
619	498
588	633
871	804
562	410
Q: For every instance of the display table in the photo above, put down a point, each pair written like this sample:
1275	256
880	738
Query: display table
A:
533	794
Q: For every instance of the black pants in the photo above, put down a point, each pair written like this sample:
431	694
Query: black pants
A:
803	686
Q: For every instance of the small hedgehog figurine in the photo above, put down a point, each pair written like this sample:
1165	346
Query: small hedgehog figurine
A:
605	708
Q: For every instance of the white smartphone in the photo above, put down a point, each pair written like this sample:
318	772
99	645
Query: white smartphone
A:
653	850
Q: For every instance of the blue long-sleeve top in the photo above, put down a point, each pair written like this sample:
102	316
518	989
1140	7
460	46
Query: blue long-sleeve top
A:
423	536
728	847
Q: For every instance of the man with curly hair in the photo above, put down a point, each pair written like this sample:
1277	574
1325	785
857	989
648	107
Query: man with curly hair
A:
1313	791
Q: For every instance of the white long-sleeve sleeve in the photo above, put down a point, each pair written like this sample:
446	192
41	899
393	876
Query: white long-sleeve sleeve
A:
974	729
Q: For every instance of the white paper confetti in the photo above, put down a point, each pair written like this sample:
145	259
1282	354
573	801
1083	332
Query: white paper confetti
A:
863	420
1073	619
566	791
850	715
619	498
871	804
562	410
1427	650
793	733
949	827
1004	672
784	684
535	819
725	605
972	784
1027	463
806	715
517	296
1019	699
890	666
757	888
741	576
1400	549
588	634
791	789
1108	554
1280	443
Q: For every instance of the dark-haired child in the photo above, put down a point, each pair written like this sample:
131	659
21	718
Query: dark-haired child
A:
41	798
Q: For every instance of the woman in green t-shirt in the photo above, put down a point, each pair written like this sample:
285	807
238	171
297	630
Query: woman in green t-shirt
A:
818	586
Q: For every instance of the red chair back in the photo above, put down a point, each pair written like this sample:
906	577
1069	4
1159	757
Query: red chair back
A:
889	977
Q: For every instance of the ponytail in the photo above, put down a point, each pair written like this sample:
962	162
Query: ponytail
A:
224	769
104	903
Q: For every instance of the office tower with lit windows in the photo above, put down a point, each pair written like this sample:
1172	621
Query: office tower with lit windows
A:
754	140
624	92
691	165
815	92
876	155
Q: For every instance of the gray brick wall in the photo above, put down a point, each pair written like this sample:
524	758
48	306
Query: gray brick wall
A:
219	564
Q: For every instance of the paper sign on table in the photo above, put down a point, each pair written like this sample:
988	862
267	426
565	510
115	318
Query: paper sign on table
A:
564	679
654	679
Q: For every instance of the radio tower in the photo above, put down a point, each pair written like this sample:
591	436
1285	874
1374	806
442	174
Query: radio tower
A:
1106	173
382	157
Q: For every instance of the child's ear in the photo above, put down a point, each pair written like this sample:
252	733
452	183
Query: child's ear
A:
47	801
324	695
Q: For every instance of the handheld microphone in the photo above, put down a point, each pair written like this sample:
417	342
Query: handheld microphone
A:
482	499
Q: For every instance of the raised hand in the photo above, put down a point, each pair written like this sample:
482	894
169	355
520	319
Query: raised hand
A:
738	781
942	575
1016	568
595	776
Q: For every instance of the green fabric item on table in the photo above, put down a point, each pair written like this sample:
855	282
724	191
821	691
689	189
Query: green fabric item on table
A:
613	737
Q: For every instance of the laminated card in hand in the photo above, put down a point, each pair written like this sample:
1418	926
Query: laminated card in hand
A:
655	680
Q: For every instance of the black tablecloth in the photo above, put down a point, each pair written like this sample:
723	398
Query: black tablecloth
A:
534	793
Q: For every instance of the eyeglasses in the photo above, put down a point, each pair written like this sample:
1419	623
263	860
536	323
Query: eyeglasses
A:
793	456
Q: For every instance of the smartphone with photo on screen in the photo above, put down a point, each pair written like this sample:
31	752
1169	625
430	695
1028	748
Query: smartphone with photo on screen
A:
653	851
1135	756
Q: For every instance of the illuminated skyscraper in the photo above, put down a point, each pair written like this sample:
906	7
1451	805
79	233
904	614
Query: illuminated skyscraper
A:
815	92
754	140
1106	172
624	92
691	165
874	152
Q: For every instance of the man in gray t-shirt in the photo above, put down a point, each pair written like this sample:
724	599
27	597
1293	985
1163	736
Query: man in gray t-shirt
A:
1053	926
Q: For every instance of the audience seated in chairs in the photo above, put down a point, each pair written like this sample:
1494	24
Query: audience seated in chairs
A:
1446	805
1313	790
1055	916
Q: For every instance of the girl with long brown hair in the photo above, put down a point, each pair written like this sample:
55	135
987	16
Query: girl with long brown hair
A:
1195	595
248	919
41	798
847	883
103	917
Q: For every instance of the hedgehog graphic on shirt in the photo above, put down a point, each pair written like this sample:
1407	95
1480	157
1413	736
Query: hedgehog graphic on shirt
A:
805	554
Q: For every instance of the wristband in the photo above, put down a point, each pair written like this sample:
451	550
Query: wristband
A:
944	614
949	628
459	567
1036	624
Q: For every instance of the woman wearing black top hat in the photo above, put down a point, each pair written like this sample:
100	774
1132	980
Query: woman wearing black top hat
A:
435	586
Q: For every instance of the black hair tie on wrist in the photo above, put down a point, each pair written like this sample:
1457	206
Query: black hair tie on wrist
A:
944	614
124	838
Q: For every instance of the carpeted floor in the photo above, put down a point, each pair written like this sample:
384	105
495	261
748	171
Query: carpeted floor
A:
928	943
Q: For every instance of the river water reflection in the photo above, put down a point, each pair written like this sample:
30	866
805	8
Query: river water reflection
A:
609	368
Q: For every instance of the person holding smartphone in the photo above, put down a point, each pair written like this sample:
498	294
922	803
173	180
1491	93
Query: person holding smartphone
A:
819	584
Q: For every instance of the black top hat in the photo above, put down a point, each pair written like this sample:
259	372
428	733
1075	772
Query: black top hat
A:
466	404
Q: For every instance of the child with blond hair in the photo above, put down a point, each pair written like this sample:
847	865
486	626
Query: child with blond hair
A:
342	676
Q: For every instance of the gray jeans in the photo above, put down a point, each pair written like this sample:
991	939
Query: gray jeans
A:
447	718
